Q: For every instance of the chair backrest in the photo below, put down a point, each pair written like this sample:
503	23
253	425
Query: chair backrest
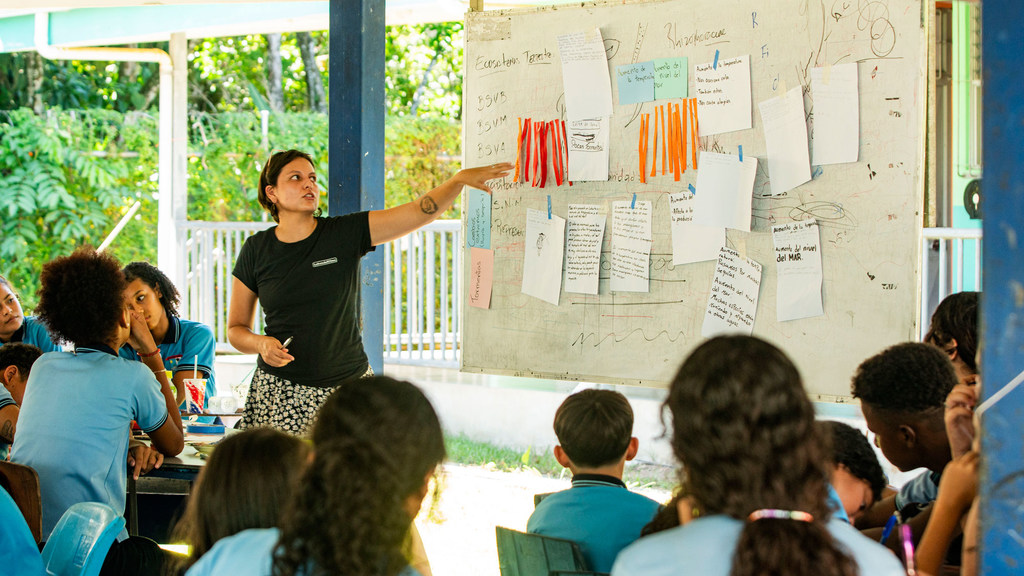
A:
22	483
80	541
522	554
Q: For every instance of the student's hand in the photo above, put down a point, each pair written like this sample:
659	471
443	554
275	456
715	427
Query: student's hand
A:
478	177
959	484
141	339
272	352
143	458
959	418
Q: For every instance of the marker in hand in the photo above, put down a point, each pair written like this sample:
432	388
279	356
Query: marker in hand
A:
287	342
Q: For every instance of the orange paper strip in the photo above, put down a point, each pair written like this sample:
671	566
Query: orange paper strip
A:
693	131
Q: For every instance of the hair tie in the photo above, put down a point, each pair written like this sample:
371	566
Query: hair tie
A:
780	515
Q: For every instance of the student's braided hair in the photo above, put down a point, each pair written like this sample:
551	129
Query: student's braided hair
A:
743	430
375	442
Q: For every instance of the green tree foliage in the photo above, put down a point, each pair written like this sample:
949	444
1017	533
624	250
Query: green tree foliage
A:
424	69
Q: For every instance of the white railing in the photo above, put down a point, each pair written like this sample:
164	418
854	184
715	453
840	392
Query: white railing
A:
950	263
421	287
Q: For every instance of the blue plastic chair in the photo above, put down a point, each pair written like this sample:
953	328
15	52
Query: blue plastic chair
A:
80	541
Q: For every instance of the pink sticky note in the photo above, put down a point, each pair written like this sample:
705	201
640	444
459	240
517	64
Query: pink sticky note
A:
481	273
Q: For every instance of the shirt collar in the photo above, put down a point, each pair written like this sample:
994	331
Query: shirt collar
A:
94	347
596	480
173	330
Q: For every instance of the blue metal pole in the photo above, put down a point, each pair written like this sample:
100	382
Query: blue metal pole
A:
1002	478
356	147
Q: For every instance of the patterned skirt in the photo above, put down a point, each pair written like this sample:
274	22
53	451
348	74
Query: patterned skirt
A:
277	403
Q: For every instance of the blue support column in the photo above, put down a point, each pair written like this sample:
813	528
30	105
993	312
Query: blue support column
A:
1002	479
356	148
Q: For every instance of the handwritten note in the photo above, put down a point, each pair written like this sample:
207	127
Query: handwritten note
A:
671	78
725	187
785	136
798	258
478	219
584	236
481	276
631	246
691	242
734	291
588	149
836	115
585	77
635	83
542	264
723	95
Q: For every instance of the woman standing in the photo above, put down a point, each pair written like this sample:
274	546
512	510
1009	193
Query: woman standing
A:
305	274
16	327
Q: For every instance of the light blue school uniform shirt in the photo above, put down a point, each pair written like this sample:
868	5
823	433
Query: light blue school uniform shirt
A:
836	504
5	400
599	513
706	546
19	554
33	332
922	489
74	426
187	345
249	552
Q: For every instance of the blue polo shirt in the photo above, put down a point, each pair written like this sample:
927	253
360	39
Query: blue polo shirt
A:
186	345
33	332
19	554
5	400
599	513
74	426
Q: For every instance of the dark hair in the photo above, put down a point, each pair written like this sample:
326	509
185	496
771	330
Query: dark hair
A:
157	280
594	427
81	296
910	378
956	317
375	441
246	484
851	449
21	355
743	430
272	171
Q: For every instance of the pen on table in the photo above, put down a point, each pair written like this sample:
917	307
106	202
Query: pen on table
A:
287	342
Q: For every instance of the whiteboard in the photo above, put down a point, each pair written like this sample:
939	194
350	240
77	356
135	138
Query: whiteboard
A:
869	212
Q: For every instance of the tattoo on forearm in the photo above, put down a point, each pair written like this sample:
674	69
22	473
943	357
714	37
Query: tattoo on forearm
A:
7	431
427	205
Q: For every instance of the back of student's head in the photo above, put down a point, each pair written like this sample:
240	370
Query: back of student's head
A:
911	379
376	441
246	484
594	427
743	430
158	281
956	319
81	296
20	355
851	449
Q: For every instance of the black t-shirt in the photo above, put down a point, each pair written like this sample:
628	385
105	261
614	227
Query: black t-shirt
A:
309	291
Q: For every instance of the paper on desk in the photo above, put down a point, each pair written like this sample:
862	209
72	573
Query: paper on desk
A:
723	95
836	115
691	242
588	149
542	265
732	304
635	83
798	259
588	92
631	246
785	136
478	219
584	236
724	190
671	76
481	276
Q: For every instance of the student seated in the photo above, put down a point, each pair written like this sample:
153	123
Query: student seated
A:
246	484
857	477
752	460
16	361
902	392
376	444
16	327
595	435
954	329
78	406
186	347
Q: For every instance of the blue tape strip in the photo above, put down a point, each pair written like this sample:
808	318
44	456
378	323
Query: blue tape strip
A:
741	152
549	206
692	189
633	205
715	65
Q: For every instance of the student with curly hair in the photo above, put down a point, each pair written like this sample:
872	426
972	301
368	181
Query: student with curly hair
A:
16	360
78	406
186	347
954	329
743	430
857	478
16	327
246	484
376	443
304	272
